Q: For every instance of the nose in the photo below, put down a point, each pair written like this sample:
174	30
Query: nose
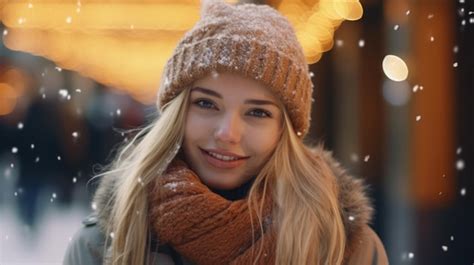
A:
229	129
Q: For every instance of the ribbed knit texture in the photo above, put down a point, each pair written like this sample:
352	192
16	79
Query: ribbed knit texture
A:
254	41
205	227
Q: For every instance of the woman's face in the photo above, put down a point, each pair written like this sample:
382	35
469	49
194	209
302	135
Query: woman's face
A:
232	127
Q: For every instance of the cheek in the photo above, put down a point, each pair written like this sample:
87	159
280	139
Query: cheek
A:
196	126
263	141
196	133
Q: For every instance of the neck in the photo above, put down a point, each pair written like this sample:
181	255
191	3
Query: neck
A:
237	193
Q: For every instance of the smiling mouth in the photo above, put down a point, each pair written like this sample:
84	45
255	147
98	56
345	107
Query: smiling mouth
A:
223	157
223	161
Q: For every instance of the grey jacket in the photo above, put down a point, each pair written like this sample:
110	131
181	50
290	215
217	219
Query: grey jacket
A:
363	244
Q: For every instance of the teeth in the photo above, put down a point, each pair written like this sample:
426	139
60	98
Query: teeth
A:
221	157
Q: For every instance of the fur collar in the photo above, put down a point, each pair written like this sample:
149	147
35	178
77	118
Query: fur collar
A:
356	206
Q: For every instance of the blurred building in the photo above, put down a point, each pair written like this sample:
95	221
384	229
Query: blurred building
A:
411	139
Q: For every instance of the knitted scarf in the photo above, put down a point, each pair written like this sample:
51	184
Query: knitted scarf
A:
203	226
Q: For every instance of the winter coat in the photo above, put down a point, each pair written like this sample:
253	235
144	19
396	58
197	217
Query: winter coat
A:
363	244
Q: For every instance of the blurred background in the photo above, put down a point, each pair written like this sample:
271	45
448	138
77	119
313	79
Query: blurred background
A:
393	100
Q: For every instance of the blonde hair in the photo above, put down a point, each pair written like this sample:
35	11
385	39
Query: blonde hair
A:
308	221
309	224
139	162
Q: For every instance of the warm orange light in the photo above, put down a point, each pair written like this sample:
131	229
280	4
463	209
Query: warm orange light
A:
16	79
125	43
315	21
8	98
101	16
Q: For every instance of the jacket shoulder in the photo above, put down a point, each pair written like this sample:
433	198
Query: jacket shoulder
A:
87	245
369	249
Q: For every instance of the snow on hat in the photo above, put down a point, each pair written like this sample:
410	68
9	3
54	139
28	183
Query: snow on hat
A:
254	41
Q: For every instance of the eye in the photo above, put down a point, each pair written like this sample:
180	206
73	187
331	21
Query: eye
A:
260	113
205	104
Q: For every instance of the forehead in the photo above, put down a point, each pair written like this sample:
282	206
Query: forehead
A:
235	86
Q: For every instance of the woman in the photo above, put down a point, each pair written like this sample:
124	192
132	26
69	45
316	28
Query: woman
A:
223	177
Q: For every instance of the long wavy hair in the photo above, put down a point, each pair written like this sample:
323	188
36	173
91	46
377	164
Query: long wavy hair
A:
308	219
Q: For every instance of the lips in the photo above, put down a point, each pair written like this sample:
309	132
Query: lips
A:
223	159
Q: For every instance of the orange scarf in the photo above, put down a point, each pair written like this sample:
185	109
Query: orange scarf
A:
203	226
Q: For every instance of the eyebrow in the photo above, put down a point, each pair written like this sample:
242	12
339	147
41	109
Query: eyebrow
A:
247	101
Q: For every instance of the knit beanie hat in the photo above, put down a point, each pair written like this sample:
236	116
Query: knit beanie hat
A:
254	41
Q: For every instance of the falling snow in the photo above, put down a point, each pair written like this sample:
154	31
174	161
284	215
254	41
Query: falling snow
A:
418	117
455	64
463	192
63	93
14	150
32	146
408	12
5	32
361	43
94	206
432	39
74	180
339	43
366	158
458	150
59	157
409	255
452	238
171	186
59	69
430	16
20	125
69	20
445	248
396	27
351	218
75	134
460	164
